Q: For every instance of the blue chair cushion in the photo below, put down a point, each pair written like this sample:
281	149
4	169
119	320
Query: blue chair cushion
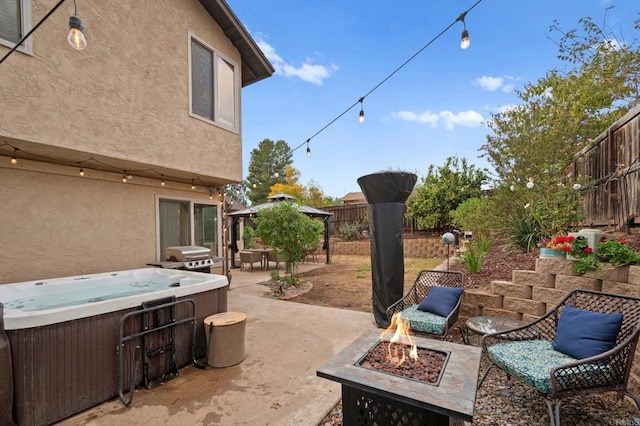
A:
440	300
425	322
583	334
532	361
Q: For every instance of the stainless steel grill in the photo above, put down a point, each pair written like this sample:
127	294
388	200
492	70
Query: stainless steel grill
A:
190	258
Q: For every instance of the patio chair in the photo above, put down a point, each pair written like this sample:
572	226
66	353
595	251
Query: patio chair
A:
250	257
431	313
310	253
273	256
584	345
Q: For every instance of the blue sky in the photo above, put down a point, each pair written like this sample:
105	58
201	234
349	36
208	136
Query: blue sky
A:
330	53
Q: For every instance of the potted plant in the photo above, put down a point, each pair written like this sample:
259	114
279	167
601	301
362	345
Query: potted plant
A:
557	246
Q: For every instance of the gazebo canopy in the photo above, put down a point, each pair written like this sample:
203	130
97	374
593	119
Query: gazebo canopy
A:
272	201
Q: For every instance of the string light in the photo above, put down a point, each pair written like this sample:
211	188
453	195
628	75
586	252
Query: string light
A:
361	99
464	38
277	174
126	174
308	149
76	36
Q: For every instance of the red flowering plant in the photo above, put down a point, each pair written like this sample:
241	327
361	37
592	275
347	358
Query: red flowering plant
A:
615	252
561	243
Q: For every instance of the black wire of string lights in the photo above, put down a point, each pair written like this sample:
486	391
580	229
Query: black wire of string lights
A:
464	45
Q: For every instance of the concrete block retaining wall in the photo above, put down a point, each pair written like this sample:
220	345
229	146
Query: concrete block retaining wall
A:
413	247
531	294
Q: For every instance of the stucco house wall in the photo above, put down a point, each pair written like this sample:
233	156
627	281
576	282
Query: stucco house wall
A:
123	103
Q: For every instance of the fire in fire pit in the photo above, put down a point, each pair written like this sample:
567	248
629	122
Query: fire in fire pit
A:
397	354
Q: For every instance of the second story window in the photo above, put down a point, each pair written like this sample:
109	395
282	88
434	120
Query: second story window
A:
15	22
214	86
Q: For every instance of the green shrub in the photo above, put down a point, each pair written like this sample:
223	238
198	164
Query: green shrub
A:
473	257
350	231
523	231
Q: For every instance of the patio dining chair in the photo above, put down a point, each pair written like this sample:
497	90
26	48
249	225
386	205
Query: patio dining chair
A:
432	303
250	257
584	345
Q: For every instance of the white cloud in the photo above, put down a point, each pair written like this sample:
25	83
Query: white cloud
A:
494	83
426	117
463	118
309	72
448	118
489	83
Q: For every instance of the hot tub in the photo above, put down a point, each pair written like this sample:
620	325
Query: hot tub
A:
64	334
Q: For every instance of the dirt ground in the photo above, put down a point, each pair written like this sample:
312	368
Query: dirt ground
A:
346	282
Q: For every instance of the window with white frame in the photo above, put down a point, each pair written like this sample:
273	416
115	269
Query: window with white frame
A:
183	222
15	22
213	82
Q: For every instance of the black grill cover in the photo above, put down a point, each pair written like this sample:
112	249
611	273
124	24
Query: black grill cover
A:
386	193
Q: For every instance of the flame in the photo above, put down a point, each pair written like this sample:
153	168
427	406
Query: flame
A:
398	335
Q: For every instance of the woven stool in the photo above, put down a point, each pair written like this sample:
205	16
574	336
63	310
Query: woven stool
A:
225	338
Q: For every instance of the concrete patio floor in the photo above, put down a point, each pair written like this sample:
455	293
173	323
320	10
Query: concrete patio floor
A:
276	384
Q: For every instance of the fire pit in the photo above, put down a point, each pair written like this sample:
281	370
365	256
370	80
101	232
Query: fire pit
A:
372	396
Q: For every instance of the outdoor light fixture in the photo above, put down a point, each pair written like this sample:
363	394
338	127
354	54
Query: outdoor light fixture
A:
276	174
464	39
14	160
308	149
124	178
162	181
193	185
361	115
81	171
76	36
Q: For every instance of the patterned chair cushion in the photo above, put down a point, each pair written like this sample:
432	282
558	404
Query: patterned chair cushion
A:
425	322
532	361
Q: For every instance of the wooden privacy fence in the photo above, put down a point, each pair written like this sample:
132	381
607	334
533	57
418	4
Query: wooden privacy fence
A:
612	162
357	213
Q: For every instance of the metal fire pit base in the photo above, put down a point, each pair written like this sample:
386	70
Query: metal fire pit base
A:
377	398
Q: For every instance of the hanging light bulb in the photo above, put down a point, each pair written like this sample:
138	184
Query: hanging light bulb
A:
277	174
14	159
464	39
308	149
76	36
254	185
81	171
210	196
124	178
464	42
193	185
361	115
162	180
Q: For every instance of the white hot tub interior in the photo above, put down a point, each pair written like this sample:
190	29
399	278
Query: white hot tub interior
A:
40	302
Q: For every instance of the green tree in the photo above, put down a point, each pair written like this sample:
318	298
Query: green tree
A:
442	190
536	141
266	168
288	231
238	192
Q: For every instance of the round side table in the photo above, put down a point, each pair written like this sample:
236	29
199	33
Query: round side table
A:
479	326
225	338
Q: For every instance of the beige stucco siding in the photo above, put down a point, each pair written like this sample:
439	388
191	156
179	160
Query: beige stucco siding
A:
127	95
55	223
